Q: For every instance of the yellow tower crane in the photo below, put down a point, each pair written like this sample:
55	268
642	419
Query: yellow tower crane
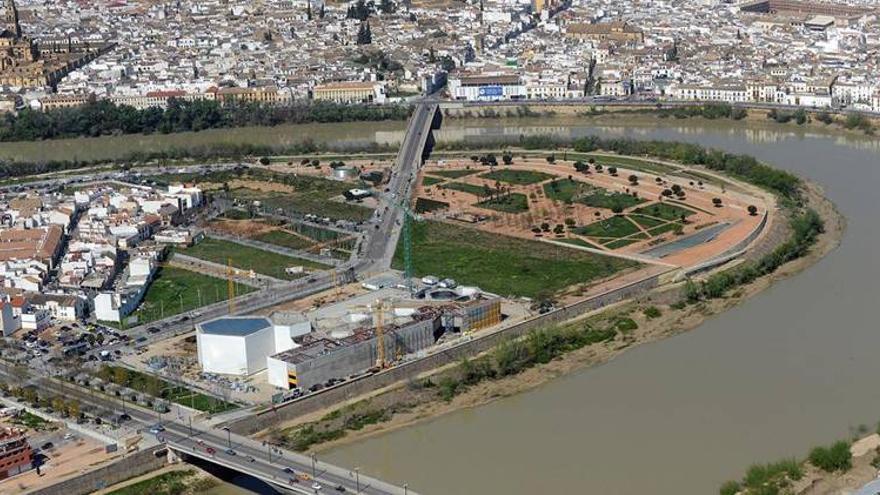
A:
230	285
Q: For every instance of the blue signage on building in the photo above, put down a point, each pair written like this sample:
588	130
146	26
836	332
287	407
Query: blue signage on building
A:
491	91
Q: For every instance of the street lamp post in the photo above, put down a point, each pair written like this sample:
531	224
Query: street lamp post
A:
405	489
314	461
269	451
357	479
228	437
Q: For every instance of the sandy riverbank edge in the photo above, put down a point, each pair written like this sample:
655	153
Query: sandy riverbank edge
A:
672	322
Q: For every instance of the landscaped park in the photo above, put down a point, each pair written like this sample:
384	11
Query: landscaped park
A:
622	206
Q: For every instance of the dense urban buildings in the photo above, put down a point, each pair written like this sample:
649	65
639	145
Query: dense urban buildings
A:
811	54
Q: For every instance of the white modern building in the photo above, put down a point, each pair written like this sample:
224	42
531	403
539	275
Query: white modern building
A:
240	345
487	87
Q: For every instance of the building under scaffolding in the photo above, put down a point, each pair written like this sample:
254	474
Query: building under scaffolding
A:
321	358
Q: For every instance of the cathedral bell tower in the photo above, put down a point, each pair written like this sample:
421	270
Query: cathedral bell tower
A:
10	19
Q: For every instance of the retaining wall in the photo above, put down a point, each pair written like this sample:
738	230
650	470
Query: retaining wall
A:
354	388
133	465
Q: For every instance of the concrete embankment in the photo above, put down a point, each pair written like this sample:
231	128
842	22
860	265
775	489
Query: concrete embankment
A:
128	467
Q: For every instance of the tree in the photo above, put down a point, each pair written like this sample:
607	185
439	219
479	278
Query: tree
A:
387	7
633	179
364	35
617	209
316	163
551	159
507	158
359	11
545	227
666	193
598	167
716	202
753	210
581	167
264	160
58	405
120	375
558	229
613	171
73	409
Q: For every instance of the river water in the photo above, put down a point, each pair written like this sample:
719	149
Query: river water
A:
794	367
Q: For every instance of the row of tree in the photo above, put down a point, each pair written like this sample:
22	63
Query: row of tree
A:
98	118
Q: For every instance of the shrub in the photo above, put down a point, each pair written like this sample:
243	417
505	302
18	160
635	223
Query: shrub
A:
729	488
837	457
652	312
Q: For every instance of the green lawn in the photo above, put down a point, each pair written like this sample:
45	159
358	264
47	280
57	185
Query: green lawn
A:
425	205
619	243
248	258
510	203
603	199
664	210
669	227
284	239
318	204
316	233
501	264
454	174
646	222
631	163
175	290
575	241
478	191
518	177
171	483
616	226
566	189
430	181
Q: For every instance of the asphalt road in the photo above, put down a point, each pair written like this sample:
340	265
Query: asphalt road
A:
177	435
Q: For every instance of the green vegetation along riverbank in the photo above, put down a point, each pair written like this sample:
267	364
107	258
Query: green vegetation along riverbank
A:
102	118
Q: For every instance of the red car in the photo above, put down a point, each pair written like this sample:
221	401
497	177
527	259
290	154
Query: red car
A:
210	450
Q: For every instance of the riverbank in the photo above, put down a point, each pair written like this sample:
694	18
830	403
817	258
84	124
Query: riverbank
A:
648	319
864	124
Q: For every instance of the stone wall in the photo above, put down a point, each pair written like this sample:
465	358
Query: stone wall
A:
130	466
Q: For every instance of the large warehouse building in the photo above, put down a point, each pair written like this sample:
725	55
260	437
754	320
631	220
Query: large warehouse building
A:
238	345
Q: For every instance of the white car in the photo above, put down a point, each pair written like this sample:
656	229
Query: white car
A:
316	486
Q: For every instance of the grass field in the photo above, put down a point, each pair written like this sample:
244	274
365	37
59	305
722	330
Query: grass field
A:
306	202
616	226
604	199
630	163
646	222
315	233
518	177
511	203
501	264
171	483
454	174
478	191
175	291
664	211
428	181
578	242
425	205
566	189
669	227
284	239
248	258
619	243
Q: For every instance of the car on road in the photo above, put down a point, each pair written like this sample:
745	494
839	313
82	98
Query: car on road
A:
156	429
316	486
289	470
250	458
210	450
340	488
47	446
141	339
153	330
230	452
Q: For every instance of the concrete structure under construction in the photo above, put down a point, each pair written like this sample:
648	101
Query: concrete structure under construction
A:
323	357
